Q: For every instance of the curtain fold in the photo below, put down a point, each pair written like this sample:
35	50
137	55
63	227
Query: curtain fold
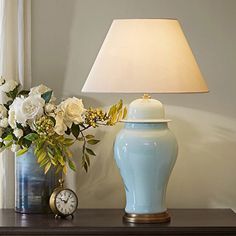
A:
15	63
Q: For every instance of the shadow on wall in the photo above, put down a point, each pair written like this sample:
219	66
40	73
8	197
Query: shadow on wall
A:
102	186
204	175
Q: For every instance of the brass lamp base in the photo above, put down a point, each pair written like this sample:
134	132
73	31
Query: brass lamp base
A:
147	218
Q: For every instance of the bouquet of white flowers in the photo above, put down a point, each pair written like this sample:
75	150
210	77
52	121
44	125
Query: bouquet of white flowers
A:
33	119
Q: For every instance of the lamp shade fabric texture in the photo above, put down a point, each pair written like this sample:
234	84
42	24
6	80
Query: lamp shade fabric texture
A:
145	56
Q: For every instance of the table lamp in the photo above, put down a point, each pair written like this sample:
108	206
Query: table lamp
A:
145	56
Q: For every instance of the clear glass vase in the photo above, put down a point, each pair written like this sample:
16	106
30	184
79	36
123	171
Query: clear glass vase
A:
32	187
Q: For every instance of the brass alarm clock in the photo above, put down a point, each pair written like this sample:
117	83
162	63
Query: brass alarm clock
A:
63	201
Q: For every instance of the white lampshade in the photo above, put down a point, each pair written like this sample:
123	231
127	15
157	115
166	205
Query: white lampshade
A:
145	56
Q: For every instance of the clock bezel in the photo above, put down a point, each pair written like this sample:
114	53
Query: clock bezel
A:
53	201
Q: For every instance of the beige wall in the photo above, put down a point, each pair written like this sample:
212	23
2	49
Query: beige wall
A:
66	37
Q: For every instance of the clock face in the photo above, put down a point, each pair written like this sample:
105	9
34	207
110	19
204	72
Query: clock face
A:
66	202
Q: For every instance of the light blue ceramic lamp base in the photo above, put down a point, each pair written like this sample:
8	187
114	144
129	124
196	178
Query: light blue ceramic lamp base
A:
145	154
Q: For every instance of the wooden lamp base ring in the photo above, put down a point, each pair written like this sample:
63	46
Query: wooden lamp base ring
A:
147	218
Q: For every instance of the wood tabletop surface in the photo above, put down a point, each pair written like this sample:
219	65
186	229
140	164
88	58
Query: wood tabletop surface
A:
109	222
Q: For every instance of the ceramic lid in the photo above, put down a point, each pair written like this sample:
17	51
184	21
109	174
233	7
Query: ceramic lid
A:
146	110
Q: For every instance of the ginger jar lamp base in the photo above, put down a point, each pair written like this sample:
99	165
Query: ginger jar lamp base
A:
145	151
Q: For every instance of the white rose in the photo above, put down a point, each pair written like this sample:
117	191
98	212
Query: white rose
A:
50	108
3	111
8	86
18	133
60	126
4	122
24	109
39	90
15	148
14	109
12	118
32	107
73	109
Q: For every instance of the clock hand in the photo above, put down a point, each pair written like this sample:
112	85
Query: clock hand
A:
68	198
62	199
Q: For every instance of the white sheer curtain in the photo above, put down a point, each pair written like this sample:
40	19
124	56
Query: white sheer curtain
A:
15	63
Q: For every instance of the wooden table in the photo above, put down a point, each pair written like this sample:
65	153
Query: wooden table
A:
109	222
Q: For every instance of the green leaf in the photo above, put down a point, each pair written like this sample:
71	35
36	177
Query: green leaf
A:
64	169
19	126
80	139
59	168
6	106
47	167
89	136
44	162
47	96
39	149
93	141
112	110
21	152
31	137
58	150
8	144
50	153
60	160
23	93
9	102
124	113
75	129
54	162
68	131
85	166
9	137
68	142
26	142
119	105
90	151
87	159
120	115
113	119
41	156
68	153
72	165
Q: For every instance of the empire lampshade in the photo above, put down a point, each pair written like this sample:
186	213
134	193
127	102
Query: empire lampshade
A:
145	56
